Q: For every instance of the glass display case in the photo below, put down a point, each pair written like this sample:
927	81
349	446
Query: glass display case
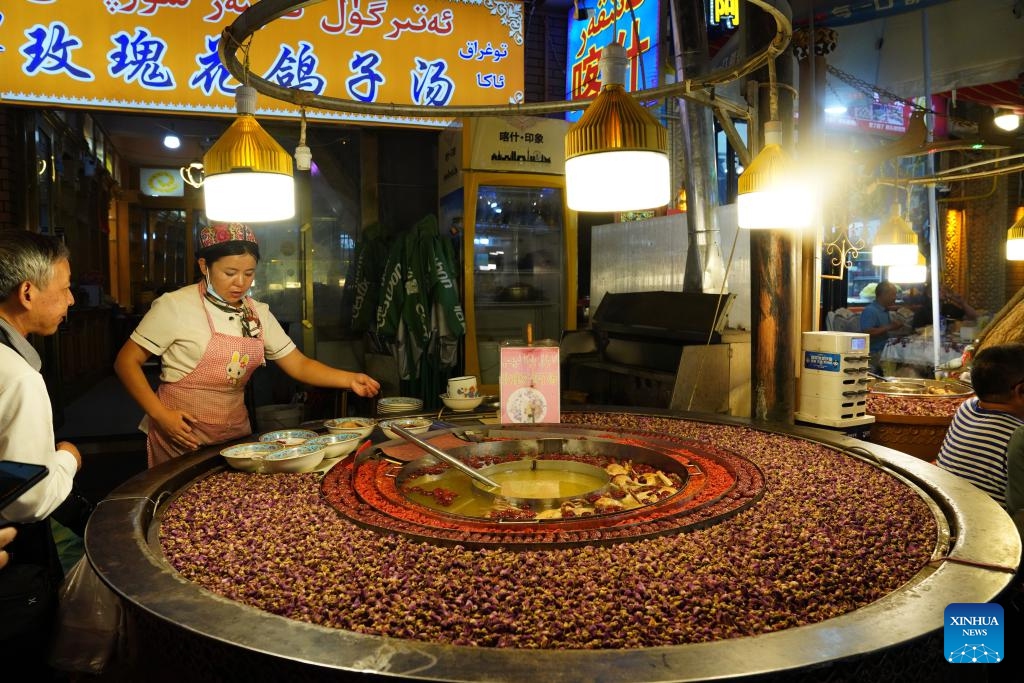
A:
519	265
517	258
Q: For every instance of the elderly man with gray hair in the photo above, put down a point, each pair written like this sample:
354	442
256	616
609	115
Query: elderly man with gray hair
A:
35	293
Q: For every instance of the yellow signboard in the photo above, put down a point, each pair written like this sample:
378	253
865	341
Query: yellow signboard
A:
521	144
161	55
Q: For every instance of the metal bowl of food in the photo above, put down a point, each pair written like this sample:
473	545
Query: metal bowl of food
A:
414	425
924	388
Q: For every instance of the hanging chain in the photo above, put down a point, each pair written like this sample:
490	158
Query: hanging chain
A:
873	91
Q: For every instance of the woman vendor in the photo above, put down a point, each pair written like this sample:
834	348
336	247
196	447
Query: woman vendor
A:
211	337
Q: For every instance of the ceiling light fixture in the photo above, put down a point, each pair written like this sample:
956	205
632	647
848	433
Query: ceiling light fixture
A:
616	155
248	175
895	242
172	141
770	195
1007	120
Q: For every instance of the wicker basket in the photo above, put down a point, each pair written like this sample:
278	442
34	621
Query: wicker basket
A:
917	435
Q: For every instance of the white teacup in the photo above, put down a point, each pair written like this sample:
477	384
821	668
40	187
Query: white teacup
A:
462	387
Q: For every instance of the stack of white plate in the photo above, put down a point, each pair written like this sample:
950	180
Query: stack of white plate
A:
394	405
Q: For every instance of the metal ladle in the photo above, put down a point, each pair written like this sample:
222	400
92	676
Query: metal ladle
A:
438	453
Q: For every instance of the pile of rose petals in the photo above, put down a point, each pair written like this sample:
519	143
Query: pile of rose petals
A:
831	534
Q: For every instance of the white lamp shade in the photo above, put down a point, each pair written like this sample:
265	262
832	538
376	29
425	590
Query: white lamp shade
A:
1007	120
1015	250
244	197
775	208
1015	239
771	195
894	254
895	242
622	180
909	275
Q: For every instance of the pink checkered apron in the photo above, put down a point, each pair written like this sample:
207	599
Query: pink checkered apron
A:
214	391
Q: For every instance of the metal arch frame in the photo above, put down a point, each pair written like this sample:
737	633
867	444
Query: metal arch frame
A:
265	12
121	544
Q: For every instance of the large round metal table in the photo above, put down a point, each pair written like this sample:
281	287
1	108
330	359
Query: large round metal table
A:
177	629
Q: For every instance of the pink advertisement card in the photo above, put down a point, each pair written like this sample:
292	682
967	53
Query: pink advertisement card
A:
530	384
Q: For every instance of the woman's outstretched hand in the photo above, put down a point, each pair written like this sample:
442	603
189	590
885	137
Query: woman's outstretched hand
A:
364	385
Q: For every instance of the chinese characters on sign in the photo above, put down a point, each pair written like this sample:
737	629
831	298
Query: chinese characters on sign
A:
522	144
725	13
162	54
631	23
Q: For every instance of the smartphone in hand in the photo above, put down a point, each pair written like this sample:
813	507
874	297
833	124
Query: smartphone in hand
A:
18	477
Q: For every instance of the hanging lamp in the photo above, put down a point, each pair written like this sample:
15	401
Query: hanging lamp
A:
171	139
248	175
769	193
616	155
1015	240
895	242
910	275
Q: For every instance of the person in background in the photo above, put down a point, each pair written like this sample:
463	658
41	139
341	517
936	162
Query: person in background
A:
35	293
951	305
210	338
874	320
975	446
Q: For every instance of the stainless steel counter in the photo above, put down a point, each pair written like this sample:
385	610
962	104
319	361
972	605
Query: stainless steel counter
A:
177	627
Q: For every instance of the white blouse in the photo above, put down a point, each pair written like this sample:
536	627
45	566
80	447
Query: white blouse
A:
175	328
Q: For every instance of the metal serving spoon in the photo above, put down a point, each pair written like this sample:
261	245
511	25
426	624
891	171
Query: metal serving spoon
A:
438	453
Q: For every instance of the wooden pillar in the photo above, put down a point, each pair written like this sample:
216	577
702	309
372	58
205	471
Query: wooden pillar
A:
771	266
772	258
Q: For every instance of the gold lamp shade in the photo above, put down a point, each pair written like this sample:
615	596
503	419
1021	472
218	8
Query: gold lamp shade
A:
895	242
1015	240
248	175
769	192
616	155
